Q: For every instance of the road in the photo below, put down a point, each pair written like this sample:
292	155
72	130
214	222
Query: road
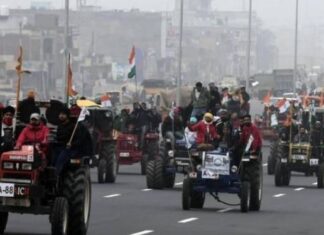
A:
128	208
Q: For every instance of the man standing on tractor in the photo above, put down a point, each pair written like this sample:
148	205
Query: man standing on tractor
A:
200	99
173	124
34	133
140	119
7	129
215	99
245	98
68	145
251	132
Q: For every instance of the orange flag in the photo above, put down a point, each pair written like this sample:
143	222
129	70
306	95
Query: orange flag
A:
20	60
266	99
131	55
321	99
71	91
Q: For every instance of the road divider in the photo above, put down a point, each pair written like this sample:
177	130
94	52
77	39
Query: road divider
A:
225	210
187	220
112	195
146	190
143	232
299	189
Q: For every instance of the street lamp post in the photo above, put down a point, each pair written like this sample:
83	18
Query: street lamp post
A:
178	95
296	47
66	50
248	66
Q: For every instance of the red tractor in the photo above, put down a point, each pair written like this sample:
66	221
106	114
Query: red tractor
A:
29	185
128	149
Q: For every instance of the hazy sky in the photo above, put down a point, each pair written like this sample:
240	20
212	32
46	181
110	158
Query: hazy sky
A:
272	12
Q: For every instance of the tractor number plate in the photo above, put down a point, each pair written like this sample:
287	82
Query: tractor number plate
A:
7	190
313	162
124	154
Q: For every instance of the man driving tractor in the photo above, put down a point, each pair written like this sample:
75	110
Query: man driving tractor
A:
35	132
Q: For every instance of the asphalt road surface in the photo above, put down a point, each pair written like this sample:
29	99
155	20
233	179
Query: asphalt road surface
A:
128	208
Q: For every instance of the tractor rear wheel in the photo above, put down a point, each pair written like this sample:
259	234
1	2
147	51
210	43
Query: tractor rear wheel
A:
3	221
107	152
60	216
77	190
320	176
245	196
155	174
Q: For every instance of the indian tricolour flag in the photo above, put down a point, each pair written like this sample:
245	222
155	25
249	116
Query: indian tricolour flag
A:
131	59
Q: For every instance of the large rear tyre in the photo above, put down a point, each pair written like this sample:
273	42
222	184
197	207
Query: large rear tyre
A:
77	190
143	164
3	221
245	196
60	216
155	174
271	165
282	175
169	180
320	176
197	199
186	194
107	152
102	171
256	191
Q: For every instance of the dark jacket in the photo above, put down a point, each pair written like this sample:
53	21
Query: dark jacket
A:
202	101
167	125
6	138
82	141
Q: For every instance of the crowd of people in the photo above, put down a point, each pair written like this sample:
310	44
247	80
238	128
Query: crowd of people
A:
212	118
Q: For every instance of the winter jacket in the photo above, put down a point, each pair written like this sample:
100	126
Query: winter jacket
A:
202	101
33	134
254	131
167	125
206	133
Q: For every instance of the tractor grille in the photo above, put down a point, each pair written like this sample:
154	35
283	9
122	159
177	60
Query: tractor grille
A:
17	176
126	145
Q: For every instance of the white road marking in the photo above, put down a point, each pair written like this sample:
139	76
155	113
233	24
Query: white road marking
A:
179	183
112	195
315	183
225	210
187	220
146	190
279	195
143	232
299	189
265	164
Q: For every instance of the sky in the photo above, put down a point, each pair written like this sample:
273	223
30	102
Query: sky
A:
273	13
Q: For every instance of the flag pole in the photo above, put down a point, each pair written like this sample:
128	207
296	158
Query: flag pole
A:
66	50
136	87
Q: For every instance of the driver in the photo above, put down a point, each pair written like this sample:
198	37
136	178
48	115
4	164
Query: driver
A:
35	132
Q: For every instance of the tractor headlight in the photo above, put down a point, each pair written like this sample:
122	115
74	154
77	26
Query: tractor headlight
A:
171	153
26	166
234	169
8	165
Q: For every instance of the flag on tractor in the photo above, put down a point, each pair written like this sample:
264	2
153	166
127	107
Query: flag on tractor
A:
267	98
20	60
132	62
71	91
